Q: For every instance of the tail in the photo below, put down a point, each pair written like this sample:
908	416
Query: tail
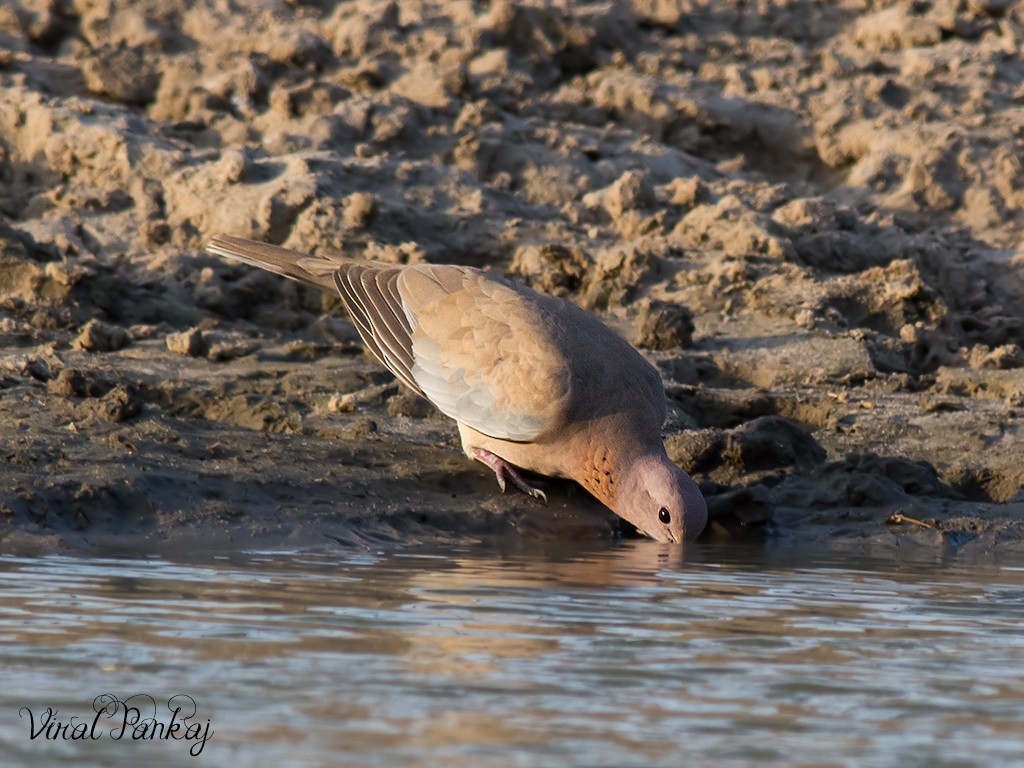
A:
281	261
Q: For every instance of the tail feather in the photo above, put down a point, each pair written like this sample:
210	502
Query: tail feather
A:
367	288
281	261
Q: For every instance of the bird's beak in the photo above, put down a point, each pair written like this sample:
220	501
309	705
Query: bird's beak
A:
662	535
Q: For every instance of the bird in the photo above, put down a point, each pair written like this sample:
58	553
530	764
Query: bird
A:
533	382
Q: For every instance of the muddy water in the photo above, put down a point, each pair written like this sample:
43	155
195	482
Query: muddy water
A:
636	655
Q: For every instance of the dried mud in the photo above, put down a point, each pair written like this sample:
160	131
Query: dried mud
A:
808	215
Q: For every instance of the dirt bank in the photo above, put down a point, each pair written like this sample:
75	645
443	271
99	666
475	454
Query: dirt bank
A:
809	217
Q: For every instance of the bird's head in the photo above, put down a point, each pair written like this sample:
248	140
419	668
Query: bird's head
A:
661	500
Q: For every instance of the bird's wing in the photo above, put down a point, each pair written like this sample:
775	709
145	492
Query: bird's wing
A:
489	354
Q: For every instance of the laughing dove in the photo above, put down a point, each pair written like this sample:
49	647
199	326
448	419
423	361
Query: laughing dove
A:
533	381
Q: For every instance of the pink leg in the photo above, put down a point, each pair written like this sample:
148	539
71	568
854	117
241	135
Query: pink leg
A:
504	471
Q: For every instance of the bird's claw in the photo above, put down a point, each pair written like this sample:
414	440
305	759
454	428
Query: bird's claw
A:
503	471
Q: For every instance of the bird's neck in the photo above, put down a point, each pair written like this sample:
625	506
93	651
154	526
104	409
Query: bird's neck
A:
606	468
599	476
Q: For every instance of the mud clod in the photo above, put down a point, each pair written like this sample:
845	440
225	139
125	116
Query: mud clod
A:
191	343
122	403
663	325
73	382
100	337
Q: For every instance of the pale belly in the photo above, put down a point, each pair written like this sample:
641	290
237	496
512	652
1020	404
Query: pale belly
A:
542	458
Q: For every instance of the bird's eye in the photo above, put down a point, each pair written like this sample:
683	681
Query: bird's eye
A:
664	516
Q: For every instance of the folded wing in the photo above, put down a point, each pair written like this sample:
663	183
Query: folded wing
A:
472	344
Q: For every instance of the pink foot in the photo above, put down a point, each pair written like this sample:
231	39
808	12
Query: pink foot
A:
504	471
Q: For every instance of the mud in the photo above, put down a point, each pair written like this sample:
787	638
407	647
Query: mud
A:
808	215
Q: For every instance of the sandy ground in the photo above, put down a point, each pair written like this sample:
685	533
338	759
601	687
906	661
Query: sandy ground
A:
807	214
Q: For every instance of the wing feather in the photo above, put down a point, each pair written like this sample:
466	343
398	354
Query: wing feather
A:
385	319
377	319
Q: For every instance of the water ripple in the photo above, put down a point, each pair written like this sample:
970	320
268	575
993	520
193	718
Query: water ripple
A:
624	656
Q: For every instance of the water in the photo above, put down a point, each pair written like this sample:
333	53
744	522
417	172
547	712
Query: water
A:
635	655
